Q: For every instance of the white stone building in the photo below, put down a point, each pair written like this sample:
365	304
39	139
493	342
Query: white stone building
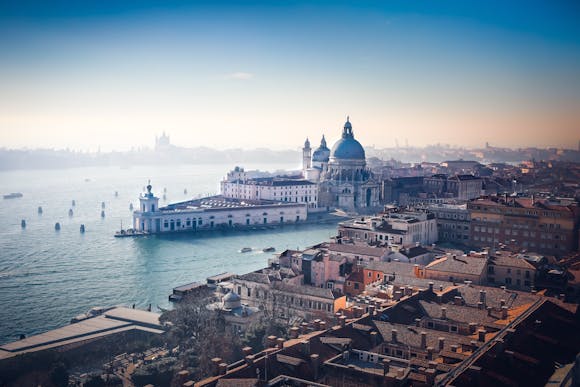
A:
214	212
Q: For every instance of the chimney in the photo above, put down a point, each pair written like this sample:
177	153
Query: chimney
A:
416	271
473	345
315	363
439	298
294	331
215	362
304	328
472	327
458	300
271	341
423	340
441	343
397	295
481	335
250	359
386	366
431	285
480	305
501	303
305	347
322	325
394	335
482	296
443	313
280	342
371	310
408	290
454	348
417	322
429	353
489	310
223	368
504	312
342	321
247	351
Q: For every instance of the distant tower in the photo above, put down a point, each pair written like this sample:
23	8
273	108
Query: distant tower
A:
306	157
148	204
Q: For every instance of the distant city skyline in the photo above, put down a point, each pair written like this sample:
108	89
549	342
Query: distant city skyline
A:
218	74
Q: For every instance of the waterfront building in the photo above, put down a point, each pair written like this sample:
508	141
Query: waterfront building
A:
237	185
403	229
214	212
540	225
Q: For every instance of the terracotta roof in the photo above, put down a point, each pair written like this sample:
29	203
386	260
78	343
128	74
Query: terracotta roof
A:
357	249
501	260
411	335
459	265
255	277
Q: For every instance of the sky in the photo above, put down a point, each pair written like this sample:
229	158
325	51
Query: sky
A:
115	74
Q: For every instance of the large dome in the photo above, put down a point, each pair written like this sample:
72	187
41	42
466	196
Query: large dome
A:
347	147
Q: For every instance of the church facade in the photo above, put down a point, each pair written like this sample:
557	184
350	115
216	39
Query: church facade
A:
344	182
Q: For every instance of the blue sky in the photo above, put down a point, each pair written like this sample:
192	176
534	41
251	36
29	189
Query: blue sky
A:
257	74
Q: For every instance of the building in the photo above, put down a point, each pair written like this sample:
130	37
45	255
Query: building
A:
403	229
214	212
237	185
510	271
236	315
454	268
285	298
539	225
453	224
342	176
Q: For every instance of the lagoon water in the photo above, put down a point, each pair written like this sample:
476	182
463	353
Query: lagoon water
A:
48	276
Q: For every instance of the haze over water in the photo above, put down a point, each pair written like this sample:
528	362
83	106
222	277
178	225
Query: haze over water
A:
48	277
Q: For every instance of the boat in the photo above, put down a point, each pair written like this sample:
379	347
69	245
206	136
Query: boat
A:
23	223
103	205
57	226
116	193
82	228
245	250
70	212
268	249
103	214
39	210
13	195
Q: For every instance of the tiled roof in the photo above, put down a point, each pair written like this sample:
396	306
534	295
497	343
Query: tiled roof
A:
357	249
411	335
260	278
403	268
501	260
459	313
305	290
459	265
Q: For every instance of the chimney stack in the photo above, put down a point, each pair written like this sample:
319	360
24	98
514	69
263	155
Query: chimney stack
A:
247	351
443	313
342	321
504	312
386	366
482	297
441	343
215	362
481	335
223	368
423	340
394	335
431	285
305	347
315	362
458	300
294	331
280	342
472	327
417	322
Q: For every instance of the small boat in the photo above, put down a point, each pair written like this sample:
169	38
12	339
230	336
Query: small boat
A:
13	195
245	250
82	228
70	212
103	205
268	249
73	203
57	226
23	223
103	214
39	210
116	193
131	207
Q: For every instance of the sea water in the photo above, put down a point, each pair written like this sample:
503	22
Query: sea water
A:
48	276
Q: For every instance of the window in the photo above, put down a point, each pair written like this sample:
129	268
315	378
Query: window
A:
453	328
249	292
356	285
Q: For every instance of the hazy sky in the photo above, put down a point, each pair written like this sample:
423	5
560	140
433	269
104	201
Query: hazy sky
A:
257	74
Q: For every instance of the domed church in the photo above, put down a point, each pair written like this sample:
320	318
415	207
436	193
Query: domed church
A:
343	180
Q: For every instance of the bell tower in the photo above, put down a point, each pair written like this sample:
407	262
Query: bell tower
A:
306	157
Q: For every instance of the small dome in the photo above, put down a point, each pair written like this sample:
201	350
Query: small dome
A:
322	153
232	300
